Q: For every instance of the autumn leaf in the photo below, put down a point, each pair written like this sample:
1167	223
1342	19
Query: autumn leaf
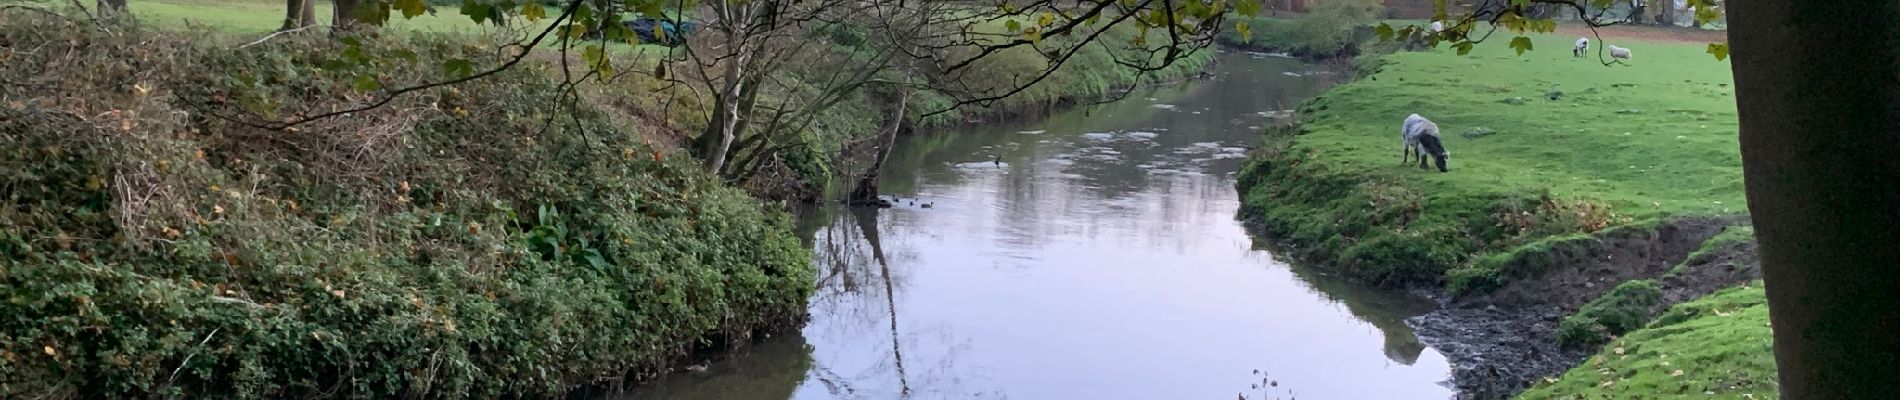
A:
1720	50
533	11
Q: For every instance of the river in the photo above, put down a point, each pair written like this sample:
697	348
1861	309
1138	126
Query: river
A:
1094	255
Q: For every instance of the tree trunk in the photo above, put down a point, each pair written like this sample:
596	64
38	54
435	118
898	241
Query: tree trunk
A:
343	17
866	191
299	14
1818	95
111	7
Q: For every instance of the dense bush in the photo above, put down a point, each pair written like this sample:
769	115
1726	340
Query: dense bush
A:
459	242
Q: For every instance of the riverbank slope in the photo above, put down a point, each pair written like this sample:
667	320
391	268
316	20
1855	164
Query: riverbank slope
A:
1568	178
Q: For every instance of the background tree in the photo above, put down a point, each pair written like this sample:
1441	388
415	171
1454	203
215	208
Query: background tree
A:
110	7
1817	90
299	14
745	47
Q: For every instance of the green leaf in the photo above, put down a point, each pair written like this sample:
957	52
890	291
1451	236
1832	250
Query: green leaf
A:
412	8
1012	25
1720	50
405	55
365	83
334	65
1384	31
1463	47
458	68
477	11
1034	35
1247	8
533	11
1521	44
651	8
596	58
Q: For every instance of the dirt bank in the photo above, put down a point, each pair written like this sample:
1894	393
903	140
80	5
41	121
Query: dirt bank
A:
1501	341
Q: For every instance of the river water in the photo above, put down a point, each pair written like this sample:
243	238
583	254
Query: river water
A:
1090	255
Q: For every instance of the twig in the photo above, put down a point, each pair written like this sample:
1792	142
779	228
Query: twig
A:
274	34
194	353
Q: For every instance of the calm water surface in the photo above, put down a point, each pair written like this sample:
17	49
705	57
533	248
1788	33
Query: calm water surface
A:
1091	255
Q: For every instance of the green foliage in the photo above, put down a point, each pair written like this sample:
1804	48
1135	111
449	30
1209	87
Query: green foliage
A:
1620	311
450	245
1569	166
1332	29
1718	346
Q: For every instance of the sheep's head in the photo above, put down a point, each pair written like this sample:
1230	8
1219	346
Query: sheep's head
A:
1436	148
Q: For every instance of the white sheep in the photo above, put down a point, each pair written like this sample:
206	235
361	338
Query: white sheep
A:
1583	46
1438	26
1421	137
1619	52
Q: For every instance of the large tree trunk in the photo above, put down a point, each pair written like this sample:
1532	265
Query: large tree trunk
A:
866	191
1818	91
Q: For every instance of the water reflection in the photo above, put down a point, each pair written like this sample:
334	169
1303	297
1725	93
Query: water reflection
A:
1091	255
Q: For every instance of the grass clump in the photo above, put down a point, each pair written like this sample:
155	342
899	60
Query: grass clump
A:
1567	166
1623	309
460	242
1730	237
1718	346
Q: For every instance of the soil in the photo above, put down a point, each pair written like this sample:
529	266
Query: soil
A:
1502	341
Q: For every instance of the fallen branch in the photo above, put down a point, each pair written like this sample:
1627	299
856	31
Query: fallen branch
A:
274	34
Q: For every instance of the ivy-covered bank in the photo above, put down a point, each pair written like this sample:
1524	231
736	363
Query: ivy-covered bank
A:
1582	201
455	243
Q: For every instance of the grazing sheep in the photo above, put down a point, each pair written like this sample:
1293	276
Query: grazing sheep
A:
1619	52
1421	137
1583	45
1438	26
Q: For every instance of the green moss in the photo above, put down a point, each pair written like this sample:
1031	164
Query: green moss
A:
1623	309
452	244
1718	346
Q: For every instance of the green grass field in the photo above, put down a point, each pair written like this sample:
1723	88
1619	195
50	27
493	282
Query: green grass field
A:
254	16
1718	346
1657	136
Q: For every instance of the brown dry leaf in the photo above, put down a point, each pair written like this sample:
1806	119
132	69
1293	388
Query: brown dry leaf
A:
49	351
217	209
1619	351
1675	373
337	292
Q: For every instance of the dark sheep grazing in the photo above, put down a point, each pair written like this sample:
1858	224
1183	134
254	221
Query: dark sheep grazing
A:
1421	137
